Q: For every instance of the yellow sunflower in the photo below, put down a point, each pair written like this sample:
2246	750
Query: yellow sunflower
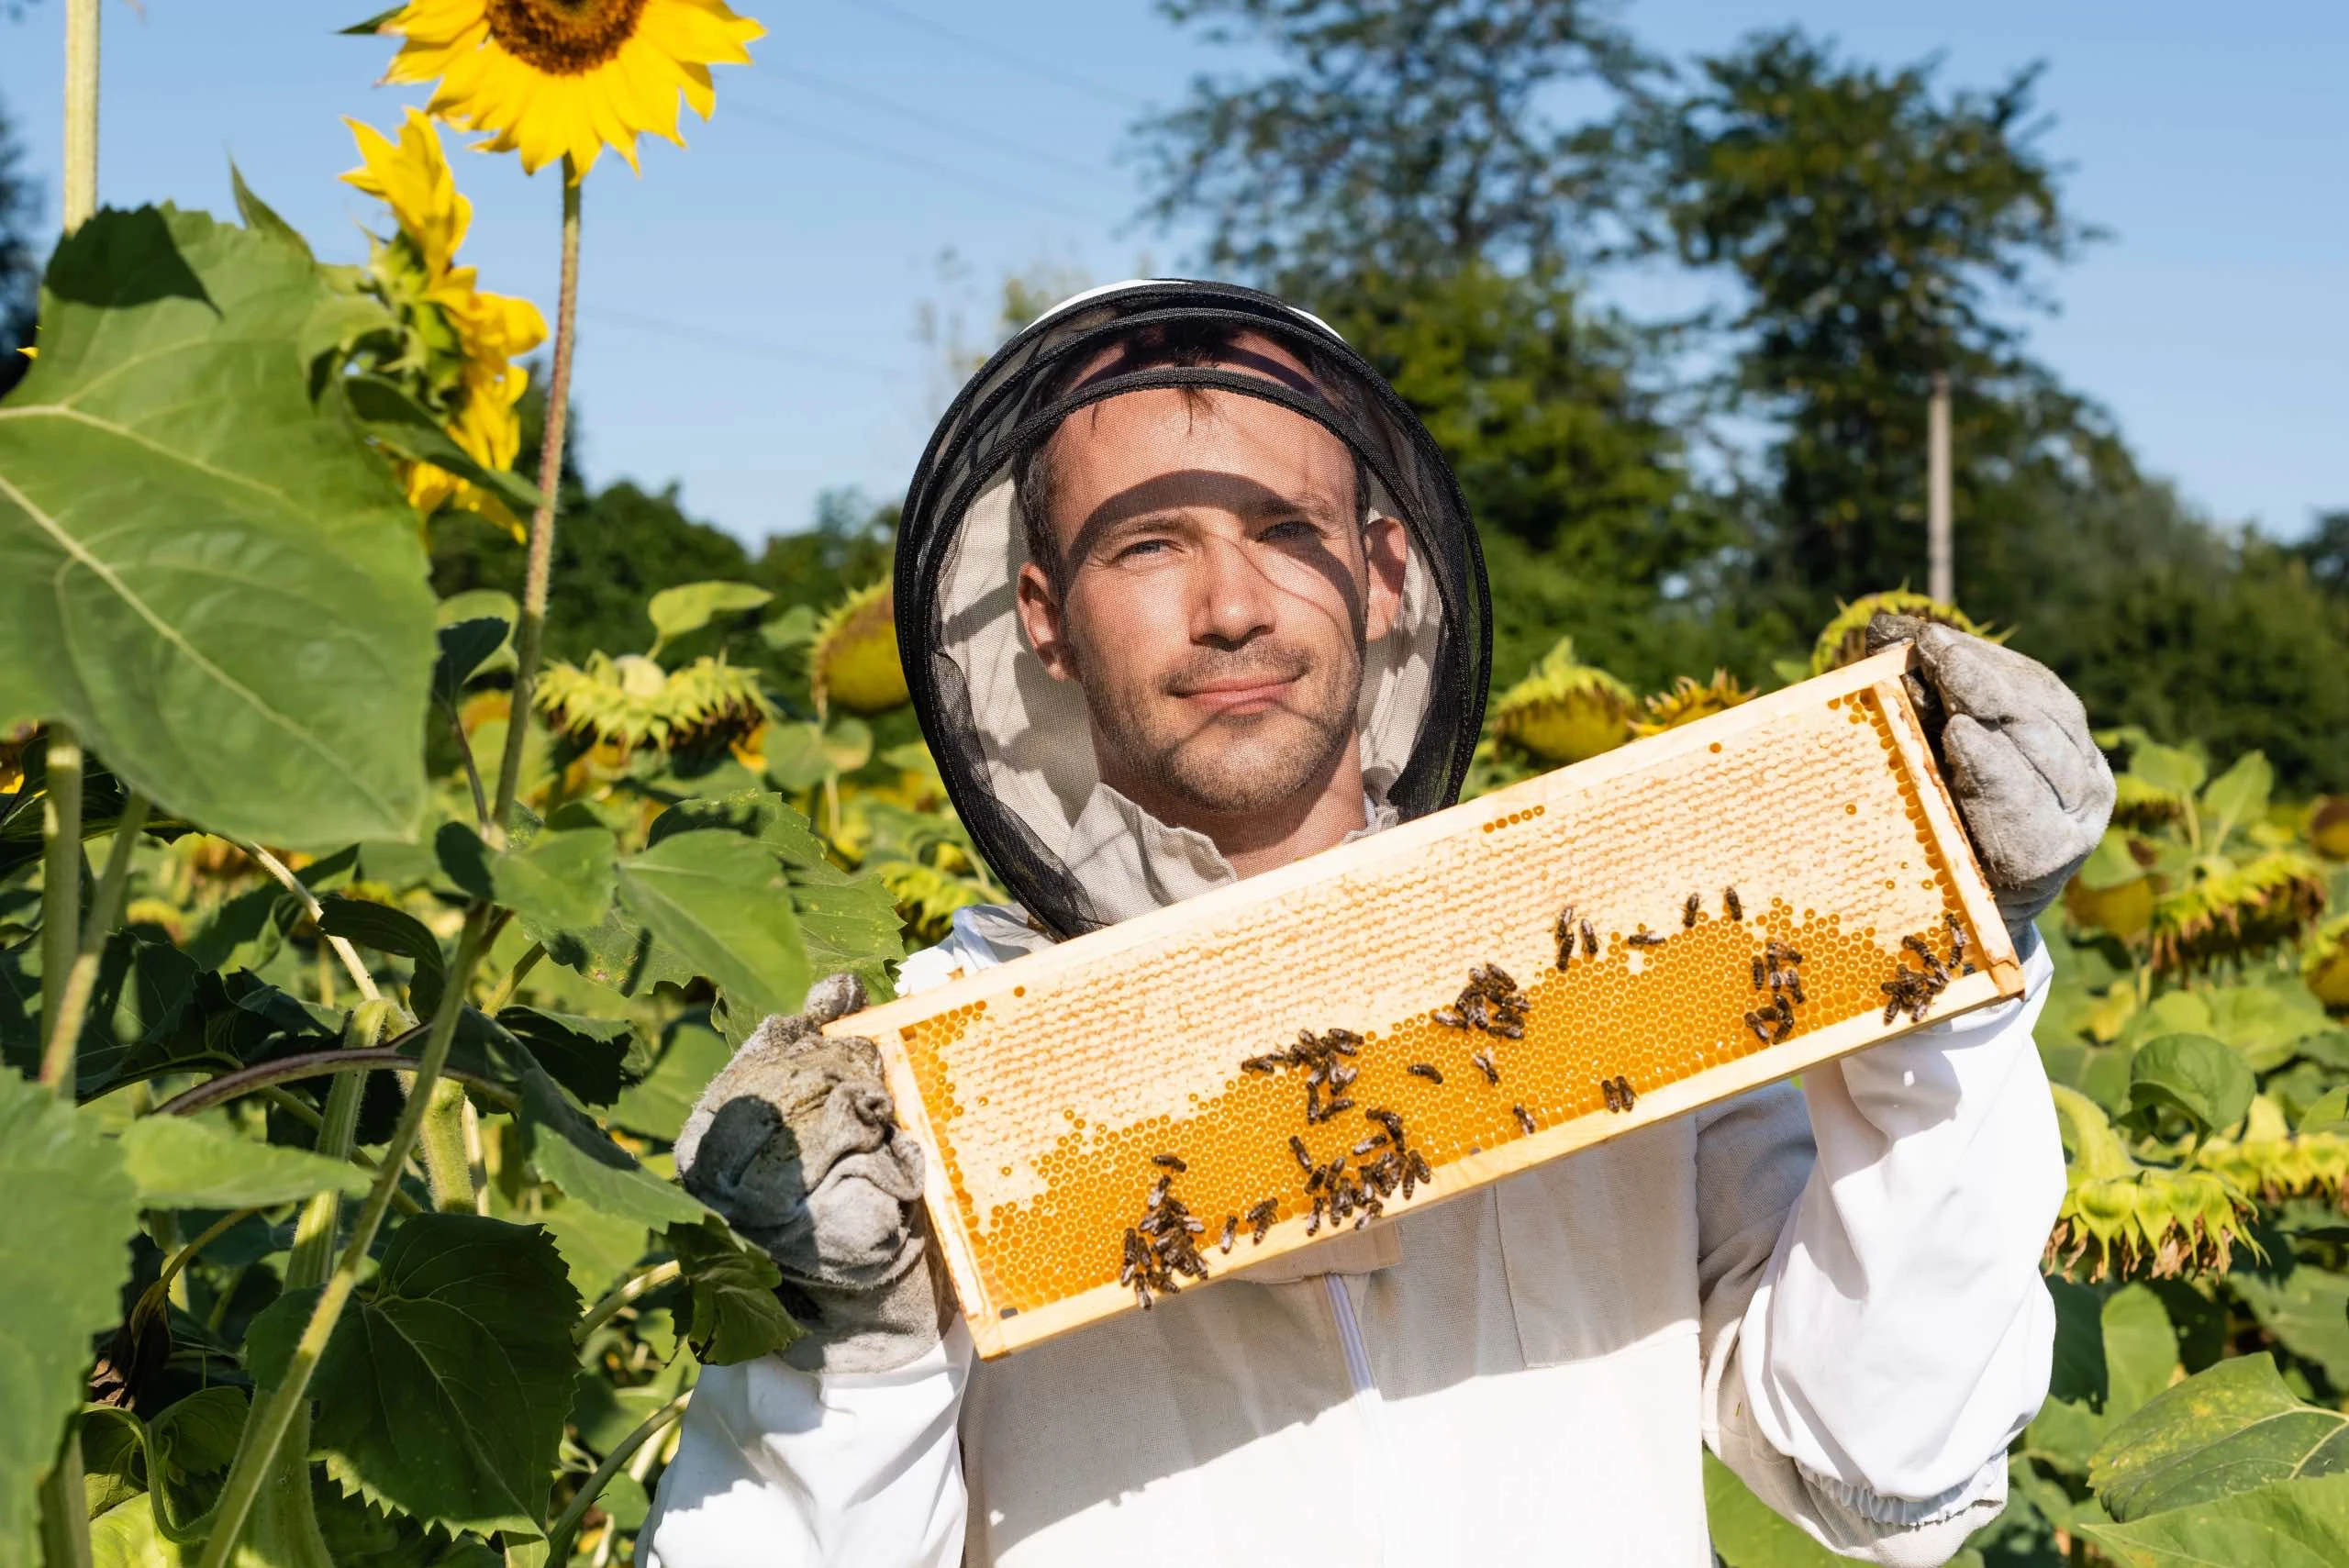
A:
461	365
556	78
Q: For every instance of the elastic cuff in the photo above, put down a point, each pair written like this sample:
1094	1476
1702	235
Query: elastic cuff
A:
1909	1513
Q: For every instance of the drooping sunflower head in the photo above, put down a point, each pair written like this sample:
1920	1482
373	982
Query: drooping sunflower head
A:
1845	639
1690	700
2237	913
631	702
2139	804
2329	826
552	79
853	661
2120	1218
1564	711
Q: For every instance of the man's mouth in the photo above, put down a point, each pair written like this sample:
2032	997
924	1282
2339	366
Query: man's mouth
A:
1242	695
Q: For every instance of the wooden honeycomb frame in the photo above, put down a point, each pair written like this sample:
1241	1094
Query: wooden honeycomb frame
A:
1042	1088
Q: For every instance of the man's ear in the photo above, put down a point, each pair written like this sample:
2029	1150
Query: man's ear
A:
1041	618
1385	548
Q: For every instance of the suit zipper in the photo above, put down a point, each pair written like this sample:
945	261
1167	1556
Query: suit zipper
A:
1366	1388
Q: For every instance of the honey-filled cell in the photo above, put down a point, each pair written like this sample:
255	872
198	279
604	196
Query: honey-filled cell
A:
1045	1089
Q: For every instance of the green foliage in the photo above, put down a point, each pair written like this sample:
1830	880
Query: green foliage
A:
177	1162
1875	225
71	1207
443	1391
196	396
126	501
1394	136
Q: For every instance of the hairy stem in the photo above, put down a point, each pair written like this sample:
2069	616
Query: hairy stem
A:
314	1233
274	1415
60	903
316	911
64	1512
531	632
628	1290
515	976
566	1524
98	924
79	196
447	1169
473	772
319	1065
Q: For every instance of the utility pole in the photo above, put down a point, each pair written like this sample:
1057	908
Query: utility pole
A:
1939	576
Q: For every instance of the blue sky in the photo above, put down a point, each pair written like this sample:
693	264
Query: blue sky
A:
750	309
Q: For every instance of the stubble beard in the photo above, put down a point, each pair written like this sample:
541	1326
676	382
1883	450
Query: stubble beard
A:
1233	765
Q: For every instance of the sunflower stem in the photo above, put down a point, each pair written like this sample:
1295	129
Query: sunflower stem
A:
531	632
274	1412
293	884
80	194
60	903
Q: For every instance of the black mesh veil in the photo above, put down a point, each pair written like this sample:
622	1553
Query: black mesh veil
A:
1011	743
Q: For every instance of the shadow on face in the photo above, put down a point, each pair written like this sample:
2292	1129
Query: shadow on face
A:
1215	586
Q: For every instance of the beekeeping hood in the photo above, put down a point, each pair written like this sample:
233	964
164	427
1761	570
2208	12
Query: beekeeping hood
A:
1013	744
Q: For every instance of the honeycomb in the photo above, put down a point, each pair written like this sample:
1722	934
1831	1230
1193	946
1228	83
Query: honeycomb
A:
1046	1090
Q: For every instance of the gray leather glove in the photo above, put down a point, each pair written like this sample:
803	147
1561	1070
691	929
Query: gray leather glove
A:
2014	745
795	1143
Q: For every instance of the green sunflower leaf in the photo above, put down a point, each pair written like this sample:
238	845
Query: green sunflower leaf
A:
65	1253
201	564
443	1391
734	1314
181	1162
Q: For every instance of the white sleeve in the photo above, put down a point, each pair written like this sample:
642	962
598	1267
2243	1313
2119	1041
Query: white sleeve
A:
1866	1374
777	1468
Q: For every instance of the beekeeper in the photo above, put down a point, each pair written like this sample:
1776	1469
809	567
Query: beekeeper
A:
1185	592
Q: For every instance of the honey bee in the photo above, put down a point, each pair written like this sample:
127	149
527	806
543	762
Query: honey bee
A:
1172	1162
1794	988
1334	1106
1524	1117
1564	933
1485	1065
1760	969
1589	940
1340	1076
1688	914
1730	902
1260	1217
1419	1167
1450	1019
1376	1141
1297	1147
1761	1030
1422	1070
1607	1087
1230	1230
1623	1092
1643	937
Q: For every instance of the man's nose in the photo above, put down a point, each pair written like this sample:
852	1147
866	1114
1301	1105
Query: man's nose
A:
1235	599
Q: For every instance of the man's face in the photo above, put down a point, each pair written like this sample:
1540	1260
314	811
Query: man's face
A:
1215	592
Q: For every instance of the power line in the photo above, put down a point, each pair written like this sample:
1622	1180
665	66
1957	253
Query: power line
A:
919	165
738	343
961	132
1036	68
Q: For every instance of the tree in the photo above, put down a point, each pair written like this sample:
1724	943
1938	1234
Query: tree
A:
1403	170
1882	230
1405	136
19	262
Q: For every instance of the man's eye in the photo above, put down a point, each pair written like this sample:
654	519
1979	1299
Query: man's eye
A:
1292	530
1143	547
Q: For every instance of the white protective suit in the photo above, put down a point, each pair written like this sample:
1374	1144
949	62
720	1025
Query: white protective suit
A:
1834	1286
